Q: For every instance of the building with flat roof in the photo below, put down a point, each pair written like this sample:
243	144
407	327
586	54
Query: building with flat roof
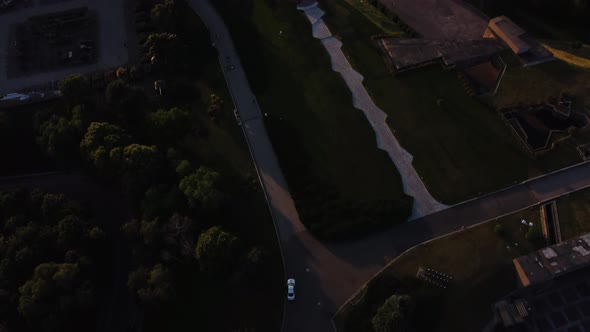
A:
509	33
528	49
556	292
405	54
553	261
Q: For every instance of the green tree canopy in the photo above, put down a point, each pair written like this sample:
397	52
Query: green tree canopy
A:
216	250
394	314
203	188
254	264
161	201
126	100
138	165
99	140
75	89
80	117
59	137
55	291
184	168
167	50
166	15
70	230
215	105
38	231
105	135
153	286
169	125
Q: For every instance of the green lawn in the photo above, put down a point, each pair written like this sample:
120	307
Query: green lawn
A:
326	148
478	260
453	144
574	214
537	82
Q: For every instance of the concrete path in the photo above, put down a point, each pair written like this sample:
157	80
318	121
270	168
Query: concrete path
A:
424	203
112	38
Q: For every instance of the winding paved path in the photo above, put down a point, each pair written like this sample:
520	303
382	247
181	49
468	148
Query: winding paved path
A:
328	274
424	203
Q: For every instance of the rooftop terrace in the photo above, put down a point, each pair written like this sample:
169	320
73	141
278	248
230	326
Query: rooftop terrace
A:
406	54
553	261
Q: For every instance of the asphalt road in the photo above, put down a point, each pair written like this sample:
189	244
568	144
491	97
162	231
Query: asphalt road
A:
328	274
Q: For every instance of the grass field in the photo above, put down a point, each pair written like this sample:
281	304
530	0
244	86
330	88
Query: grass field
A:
478	260
452	144
323	143
537	82
574	214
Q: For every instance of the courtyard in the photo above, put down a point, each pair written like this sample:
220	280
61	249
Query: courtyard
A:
111	41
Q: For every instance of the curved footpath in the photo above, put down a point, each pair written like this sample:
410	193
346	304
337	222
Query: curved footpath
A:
328	274
424	203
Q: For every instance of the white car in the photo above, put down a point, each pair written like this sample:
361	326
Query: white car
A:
291	289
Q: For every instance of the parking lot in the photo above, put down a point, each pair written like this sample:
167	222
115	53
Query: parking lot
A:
111	40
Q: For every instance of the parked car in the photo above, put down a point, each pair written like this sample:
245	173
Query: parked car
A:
291	289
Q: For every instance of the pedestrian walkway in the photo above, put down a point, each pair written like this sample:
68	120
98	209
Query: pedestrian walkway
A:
424	203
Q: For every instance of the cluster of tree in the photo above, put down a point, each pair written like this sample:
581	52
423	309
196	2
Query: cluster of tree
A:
172	46
165	233
394	314
48	261
59	133
180	203
109	150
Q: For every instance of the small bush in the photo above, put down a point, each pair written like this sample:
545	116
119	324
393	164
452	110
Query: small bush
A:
499	229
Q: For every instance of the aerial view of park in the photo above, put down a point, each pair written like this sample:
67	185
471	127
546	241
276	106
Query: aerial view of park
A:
295	165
